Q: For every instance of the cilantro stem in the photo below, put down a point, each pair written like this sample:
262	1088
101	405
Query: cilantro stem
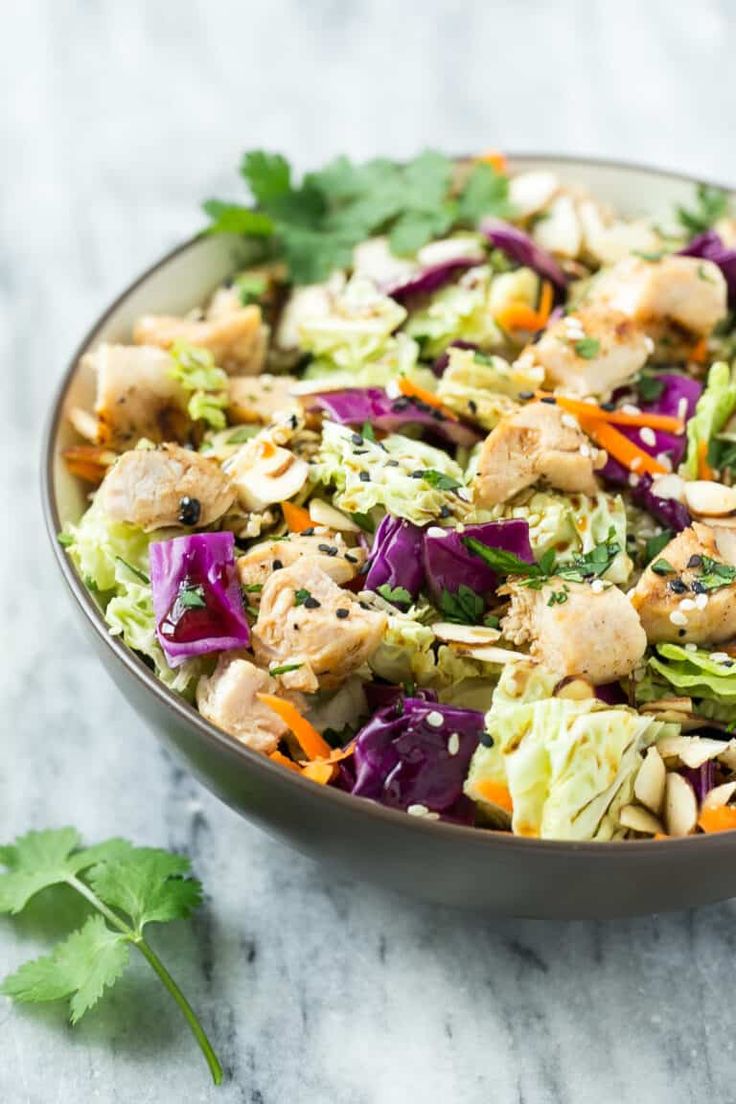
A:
136	938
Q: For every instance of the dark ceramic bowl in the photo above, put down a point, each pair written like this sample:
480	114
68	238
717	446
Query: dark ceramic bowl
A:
499	873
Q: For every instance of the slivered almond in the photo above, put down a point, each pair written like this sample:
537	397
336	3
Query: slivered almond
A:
490	654
669	486
680	806
726	540
650	781
322	513
639	820
709	499
662	705
719	795
574	689
465	634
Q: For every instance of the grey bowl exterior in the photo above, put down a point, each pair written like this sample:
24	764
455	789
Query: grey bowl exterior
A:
494	872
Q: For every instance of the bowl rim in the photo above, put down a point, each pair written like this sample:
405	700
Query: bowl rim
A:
209	733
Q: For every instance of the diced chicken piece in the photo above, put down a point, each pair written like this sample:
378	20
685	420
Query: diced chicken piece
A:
327	551
590	352
306	619
228	699
687	291
146	486
237	339
136	397
559	231
672	605
536	443
259	398
596	635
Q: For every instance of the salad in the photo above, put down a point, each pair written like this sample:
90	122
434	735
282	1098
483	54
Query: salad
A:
435	501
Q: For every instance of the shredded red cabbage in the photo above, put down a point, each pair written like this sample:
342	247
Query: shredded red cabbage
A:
358	405
449	564
430	279
396	556
521	248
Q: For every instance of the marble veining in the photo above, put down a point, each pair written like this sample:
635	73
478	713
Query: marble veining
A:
115	120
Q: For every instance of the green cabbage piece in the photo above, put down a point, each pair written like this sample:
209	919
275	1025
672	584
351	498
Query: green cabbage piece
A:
710	683
389	476
483	387
195	369
457	312
567	764
570	524
112	559
715	407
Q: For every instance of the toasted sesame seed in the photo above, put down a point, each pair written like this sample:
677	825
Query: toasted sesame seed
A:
648	436
634	479
690	647
453	743
422	811
687	604
648	344
719	657
682	409
597	586
678	618
701	601
435	718
570	421
585	450
636	463
629	408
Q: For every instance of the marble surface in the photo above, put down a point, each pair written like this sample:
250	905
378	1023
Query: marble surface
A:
116	119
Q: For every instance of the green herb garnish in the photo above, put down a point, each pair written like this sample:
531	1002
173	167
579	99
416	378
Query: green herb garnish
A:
284	669
588	347
662	567
592	564
367	432
464	607
439	480
242	434
558	597
710	205
127	887
301	595
66	540
650	387
250	287
140	575
253	588
399	595
192	597
655	544
715	574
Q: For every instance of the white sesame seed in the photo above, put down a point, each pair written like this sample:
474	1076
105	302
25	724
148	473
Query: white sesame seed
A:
665	460
682	409
590	400
422	811
393	390
453	744
719	657
648	344
648	436
570	421
435	719
584	450
690	647
678	618
636	463
687	604
634	479
701	601
597	586
629	408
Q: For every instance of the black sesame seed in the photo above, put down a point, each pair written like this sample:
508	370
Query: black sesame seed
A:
190	510
364	477
677	586
524	395
417	474
293	421
682	632
357	439
342	613
727	663
697	587
351	558
486	739
445	511
277	565
609	406
695	561
308	532
328	549
549	400
472	406
311	603
392	463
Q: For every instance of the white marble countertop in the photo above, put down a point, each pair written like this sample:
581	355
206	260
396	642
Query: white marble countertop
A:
116	119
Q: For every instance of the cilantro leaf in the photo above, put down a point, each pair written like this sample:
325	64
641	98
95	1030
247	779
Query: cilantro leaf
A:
486	192
655	544
284	669
716	574
233	218
662	567
464	607
301	594
149	885
87	962
399	595
192	597
592	564
503	562
710	205
588	347
42	859
437	479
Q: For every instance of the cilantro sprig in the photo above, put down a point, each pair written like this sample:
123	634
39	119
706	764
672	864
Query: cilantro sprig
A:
710	205
127	887
398	595
315	223
582	568
464	607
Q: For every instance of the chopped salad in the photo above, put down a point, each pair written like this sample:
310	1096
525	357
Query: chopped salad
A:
435	502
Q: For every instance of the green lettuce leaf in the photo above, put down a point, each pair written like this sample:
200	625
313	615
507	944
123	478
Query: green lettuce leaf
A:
715	407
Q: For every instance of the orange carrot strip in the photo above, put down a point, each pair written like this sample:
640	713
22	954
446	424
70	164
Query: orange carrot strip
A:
615	417
319	772
495	159
310	741
660	836
296	517
718	820
89	462
621	448
268	449
699	352
414	391
495	793
519	316
546	299
705	471
279	757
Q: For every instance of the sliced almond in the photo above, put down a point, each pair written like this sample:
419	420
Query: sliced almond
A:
574	689
699	750
726	540
709	499
560	231
728	755
639	820
650	781
719	796
322	513
680	806
531	191
465	634
86	424
669	486
490	654
664	705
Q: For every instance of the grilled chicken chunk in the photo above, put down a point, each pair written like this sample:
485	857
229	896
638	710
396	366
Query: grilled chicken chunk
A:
326	551
590	352
596	635
259	398
146	486
539	442
228	699
306	619
675	606
237	339
688	291
136	397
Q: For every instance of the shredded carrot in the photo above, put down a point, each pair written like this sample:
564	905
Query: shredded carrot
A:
519	316
495	159
279	757
495	793
414	391
546	300
699	352
296	517
660	836
310	741
268	449
718	820
621	448
319	772
89	462
615	417
705	471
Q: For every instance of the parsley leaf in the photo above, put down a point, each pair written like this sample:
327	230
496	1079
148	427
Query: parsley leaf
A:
588	347
399	595
662	567
464	607
437	479
486	192
710	205
128	887
192	597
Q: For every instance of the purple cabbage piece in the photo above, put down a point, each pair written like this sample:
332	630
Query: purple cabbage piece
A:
430	279
702	779
611	693
358	405
405	756
521	248
711	247
186	572
443	359
448	563
668	511
379	695
396	556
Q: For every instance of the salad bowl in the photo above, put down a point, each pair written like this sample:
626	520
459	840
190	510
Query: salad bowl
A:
498	873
